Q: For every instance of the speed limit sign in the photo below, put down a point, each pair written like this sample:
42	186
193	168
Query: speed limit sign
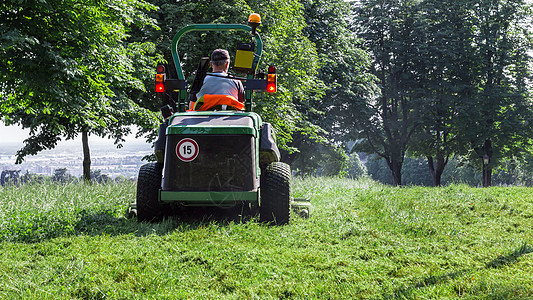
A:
187	150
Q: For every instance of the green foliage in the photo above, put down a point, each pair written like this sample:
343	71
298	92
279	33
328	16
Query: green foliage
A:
439	78
499	108
514	171
284	46
98	177
452	76
334	163
343	69
378	170
315	158
10	177
415	172
343	72
65	67
31	178
460	171
355	168
297	63
62	176
442	33
387	121
415	242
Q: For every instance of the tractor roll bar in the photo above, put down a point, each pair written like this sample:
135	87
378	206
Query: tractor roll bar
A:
216	27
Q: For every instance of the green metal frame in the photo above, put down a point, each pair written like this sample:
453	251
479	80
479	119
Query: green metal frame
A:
182	94
216	129
208	198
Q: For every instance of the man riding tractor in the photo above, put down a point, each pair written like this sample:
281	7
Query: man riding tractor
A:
218	91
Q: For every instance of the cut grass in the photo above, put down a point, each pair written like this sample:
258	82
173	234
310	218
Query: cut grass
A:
363	240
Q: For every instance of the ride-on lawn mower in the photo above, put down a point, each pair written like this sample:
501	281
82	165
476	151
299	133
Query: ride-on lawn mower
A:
216	158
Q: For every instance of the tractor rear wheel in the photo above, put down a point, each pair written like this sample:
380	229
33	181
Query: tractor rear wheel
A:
148	185
275	194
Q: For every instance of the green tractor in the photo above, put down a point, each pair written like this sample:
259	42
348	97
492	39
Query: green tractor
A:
217	158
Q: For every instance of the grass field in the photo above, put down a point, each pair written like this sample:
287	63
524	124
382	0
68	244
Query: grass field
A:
363	240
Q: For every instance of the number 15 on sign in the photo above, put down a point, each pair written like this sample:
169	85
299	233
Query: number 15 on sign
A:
187	149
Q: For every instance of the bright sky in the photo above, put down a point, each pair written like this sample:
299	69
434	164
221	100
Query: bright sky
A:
15	135
12	134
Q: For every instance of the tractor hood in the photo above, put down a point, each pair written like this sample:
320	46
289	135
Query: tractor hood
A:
218	122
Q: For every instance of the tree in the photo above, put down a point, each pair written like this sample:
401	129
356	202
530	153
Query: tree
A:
31	178
443	45
10	177
460	171
315	158
62	175
378	169
500	115
297	64
98	177
415	172
476	86
343	69
66	69
356	168
344	78
386	122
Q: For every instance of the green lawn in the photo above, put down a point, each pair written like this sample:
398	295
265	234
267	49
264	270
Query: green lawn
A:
363	240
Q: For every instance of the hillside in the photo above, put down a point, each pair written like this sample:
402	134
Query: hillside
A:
363	240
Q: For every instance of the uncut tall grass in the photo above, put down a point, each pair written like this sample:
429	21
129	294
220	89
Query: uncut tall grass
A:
35	212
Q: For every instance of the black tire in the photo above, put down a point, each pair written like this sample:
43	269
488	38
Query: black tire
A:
148	185
276	194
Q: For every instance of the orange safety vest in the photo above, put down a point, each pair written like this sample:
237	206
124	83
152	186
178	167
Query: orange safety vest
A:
210	101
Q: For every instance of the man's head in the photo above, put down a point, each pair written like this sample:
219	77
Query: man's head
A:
220	60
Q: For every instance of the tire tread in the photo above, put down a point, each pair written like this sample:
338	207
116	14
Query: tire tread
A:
275	194
148	185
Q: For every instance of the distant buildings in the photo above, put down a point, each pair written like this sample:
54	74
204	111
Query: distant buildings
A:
109	160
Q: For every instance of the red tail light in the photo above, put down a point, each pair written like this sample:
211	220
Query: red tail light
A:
160	87
271	80
160	79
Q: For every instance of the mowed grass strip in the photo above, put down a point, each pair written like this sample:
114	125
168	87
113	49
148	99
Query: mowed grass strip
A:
363	240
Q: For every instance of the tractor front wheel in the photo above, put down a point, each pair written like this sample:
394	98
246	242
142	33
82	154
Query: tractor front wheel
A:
148	185
275	194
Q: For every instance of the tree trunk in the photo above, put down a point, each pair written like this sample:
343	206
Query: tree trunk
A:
86	156
396	170
436	173
487	168
487	176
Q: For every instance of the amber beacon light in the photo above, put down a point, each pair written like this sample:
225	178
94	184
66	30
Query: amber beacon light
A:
254	20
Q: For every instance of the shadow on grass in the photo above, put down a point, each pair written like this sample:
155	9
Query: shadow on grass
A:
42	226
500	261
185	219
504	260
